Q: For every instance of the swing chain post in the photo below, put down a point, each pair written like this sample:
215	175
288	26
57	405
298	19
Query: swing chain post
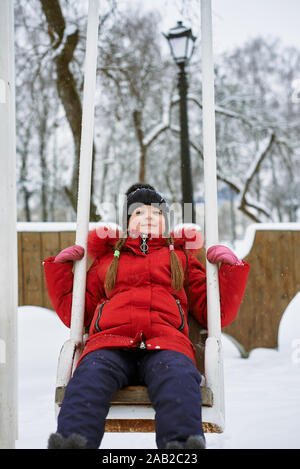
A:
8	233
72	348
85	171
213	347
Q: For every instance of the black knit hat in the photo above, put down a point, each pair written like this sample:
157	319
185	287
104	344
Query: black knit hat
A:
144	194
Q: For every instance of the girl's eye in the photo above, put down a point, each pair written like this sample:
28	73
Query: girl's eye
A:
156	212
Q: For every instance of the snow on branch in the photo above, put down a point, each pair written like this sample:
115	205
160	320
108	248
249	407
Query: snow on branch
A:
257	161
159	128
218	109
245	202
155	133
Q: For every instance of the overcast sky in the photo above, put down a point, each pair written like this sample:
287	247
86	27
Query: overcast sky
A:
235	21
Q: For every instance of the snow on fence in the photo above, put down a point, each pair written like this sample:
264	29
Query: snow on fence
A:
272	250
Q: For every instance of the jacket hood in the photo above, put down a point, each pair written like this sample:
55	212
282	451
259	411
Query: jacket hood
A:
102	239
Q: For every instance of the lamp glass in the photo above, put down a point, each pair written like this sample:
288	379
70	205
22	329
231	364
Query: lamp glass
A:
179	48
181	42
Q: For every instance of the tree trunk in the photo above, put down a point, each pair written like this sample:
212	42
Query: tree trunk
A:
23	151
67	90
137	120
43	162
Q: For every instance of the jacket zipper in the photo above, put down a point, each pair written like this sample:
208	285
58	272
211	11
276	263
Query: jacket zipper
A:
181	314
144	245
99	316
142	344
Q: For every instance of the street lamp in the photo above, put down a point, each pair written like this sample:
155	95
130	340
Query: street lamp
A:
182	42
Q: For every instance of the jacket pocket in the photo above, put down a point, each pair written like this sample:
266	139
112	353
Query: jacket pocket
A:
181	314
100	309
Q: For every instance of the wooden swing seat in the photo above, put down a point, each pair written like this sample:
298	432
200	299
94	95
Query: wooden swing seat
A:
137	395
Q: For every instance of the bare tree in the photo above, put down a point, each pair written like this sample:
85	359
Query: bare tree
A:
136	118
133	69
63	44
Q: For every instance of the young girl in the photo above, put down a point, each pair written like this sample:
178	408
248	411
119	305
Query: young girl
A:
136	310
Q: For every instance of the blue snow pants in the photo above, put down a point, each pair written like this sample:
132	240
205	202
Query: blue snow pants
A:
173	384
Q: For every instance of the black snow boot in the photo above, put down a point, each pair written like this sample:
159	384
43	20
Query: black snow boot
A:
174	444
193	442
74	441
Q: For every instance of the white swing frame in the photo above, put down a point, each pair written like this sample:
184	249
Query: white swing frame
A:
8	233
72	349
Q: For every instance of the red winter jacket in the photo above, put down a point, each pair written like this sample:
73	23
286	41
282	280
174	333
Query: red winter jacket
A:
143	307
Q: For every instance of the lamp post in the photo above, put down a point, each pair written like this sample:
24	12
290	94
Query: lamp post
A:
181	42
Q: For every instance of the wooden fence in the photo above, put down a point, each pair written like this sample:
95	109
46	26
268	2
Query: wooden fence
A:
273	282
33	247
274	278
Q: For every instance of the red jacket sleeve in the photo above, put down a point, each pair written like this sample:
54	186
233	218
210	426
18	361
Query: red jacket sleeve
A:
59	281
232	284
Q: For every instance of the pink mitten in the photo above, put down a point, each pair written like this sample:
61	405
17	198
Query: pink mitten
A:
72	253
194	239
222	254
191	233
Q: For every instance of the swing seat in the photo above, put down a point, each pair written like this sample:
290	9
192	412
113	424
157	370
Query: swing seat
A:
131	409
138	396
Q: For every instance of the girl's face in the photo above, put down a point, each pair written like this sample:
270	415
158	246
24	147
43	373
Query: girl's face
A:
147	219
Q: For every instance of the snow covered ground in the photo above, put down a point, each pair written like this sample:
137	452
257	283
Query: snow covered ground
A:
262	392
